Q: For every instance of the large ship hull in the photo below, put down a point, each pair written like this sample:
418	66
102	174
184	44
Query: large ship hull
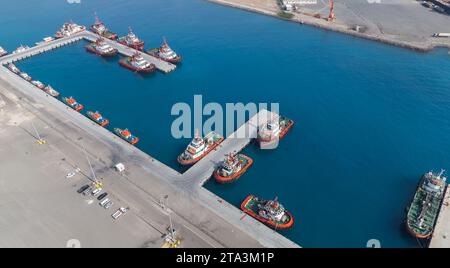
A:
249	206
125	62
91	48
107	34
267	142
155	53
245	161
212	146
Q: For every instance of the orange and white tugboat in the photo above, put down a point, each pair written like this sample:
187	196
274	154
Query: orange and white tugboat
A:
72	103
98	118
137	63
199	148
165	53
3	52
99	28
101	48
25	76
274	130
269	212
131	40
13	68
69	29
126	135
38	84
51	91
232	168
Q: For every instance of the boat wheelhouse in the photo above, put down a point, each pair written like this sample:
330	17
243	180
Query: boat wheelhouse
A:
165	53
199	147
131	40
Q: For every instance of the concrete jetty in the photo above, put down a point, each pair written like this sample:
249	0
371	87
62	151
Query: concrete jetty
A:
441	234
194	209
161	65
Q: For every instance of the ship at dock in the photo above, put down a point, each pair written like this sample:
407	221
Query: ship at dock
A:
98	118
99	28
25	76
69	29
269	212
72	103
101	48
51	91
38	84
274	130
13	68
21	49
137	63
3	52
232	168
424	208
199	147
165	53
131	40
126	135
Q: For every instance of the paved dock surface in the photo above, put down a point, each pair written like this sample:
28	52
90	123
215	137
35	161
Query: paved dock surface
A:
201	217
441	234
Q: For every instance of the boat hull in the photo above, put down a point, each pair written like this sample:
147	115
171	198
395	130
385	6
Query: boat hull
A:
221	179
117	131
102	123
3	54
277	226
267	142
154	52
139	46
125	63
77	108
91	49
187	162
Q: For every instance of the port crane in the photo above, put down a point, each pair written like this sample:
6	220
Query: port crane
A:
331	16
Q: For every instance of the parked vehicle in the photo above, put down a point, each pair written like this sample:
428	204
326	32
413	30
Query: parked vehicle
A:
83	188
102	196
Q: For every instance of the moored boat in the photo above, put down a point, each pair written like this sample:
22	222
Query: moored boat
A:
45	40
38	84
69	29
51	91
99	28
72	103
25	76
3	52
20	49
126	135
232	168
269	212
137	63
131	40
274	130
424	208
98	118
13	68
101	48
165	53
199	147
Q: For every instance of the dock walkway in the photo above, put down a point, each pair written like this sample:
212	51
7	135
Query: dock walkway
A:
441	234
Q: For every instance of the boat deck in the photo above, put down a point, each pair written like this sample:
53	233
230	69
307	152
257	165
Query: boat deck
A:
441	235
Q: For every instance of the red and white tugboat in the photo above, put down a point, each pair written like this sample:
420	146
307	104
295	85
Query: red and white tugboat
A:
51	91
269	212
3	52
21	49
199	148
13	68
69	29
25	76
99	28
101	48
165	53
137	63
131	40
232	168
270	133
38	84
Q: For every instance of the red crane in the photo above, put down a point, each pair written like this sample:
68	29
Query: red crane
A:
331	15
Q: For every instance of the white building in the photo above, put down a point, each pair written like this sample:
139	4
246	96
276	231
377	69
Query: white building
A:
289	5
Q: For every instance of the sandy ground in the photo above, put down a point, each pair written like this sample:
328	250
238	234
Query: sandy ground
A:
399	22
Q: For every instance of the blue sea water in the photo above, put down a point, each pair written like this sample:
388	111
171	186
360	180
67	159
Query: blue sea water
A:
370	118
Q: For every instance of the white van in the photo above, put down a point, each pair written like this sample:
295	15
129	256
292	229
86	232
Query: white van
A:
104	202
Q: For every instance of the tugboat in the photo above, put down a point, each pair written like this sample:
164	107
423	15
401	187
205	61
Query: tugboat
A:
137	63
131	40
274	131
424	209
101	48
25	76
20	49
126	135
72	103
69	29
271	212
232	168
199	148
13	68
3	52
165	53
51	91
98	118
100	29
38	84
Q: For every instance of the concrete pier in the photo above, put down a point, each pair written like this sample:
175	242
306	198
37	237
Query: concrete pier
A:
441	234
161	65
